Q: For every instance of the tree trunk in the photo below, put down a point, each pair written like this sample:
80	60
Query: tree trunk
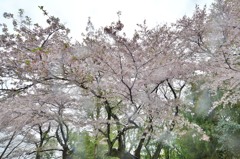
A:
38	156
140	145
66	153
157	152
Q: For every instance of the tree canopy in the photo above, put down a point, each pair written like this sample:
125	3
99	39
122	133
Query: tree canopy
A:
167	92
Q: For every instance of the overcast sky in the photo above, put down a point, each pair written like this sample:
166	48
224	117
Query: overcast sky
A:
75	13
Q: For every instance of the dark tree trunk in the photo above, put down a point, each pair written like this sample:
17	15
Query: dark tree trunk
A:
38	156
66	153
157	152
140	145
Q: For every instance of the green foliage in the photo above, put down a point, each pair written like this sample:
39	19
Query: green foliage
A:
228	131
86	146
221	124
190	145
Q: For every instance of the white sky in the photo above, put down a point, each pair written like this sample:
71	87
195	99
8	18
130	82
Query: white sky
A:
75	13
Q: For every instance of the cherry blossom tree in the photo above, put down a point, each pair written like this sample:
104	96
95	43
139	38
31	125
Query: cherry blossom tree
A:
30	103
224	26
139	73
130	91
